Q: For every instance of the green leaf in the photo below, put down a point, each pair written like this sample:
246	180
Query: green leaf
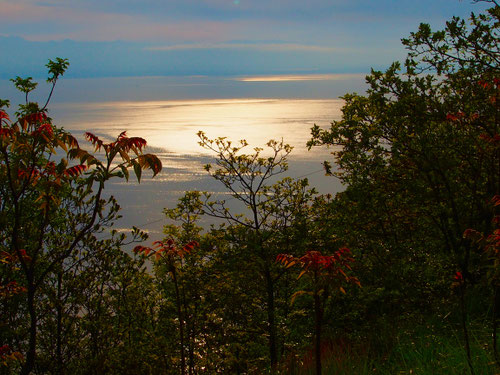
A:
125	172
137	170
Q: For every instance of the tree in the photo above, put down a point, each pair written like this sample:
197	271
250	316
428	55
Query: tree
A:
459	47
49	206
489	245
172	256
224	321
324	271
8	289
271	208
413	157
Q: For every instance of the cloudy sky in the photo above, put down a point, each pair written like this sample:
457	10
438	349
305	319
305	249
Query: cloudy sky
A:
116	38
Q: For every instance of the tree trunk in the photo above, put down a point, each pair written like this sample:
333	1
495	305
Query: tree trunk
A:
318	320
273	354
29	364
59	358
181	321
190	318
464	327
496	313
192	338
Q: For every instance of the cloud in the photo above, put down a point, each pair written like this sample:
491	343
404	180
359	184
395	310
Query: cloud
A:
45	22
212	37
249	46
136	31
177	22
301	77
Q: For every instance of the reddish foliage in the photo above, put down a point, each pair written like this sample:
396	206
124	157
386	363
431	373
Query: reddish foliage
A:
472	235
495	139
5	132
150	161
286	259
483	84
455	116
50	169
35	118
4	349
139	249
487	85
122	146
7	354
94	140
190	246
458	280
489	243
136	142
315	260
458	276
3	116
75	171
69	140
334	265
123	142
167	248
45	128
496	200
6	257
23	174
10	289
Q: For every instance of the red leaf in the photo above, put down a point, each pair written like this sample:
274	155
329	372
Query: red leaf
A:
94	140
137	142
44	130
4	116
141	249
483	84
4	349
190	246
4	132
75	171
36	117
496	200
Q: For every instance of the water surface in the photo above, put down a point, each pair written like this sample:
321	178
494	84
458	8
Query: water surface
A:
170	128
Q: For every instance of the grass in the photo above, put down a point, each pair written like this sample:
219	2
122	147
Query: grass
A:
423	350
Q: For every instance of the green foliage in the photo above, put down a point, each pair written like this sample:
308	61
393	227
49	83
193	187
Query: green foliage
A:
425	350
50	213
419	158
461	46
56	69
25	85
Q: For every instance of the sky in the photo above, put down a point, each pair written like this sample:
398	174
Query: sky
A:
239	38
154	50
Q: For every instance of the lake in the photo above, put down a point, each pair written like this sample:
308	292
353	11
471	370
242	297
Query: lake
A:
170	128
186	106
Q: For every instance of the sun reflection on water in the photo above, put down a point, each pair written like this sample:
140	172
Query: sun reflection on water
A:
170	129
172	125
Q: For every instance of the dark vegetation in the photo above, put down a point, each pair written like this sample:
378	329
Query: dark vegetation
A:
398	273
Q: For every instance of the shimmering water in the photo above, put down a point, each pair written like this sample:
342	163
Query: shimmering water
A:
170	127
